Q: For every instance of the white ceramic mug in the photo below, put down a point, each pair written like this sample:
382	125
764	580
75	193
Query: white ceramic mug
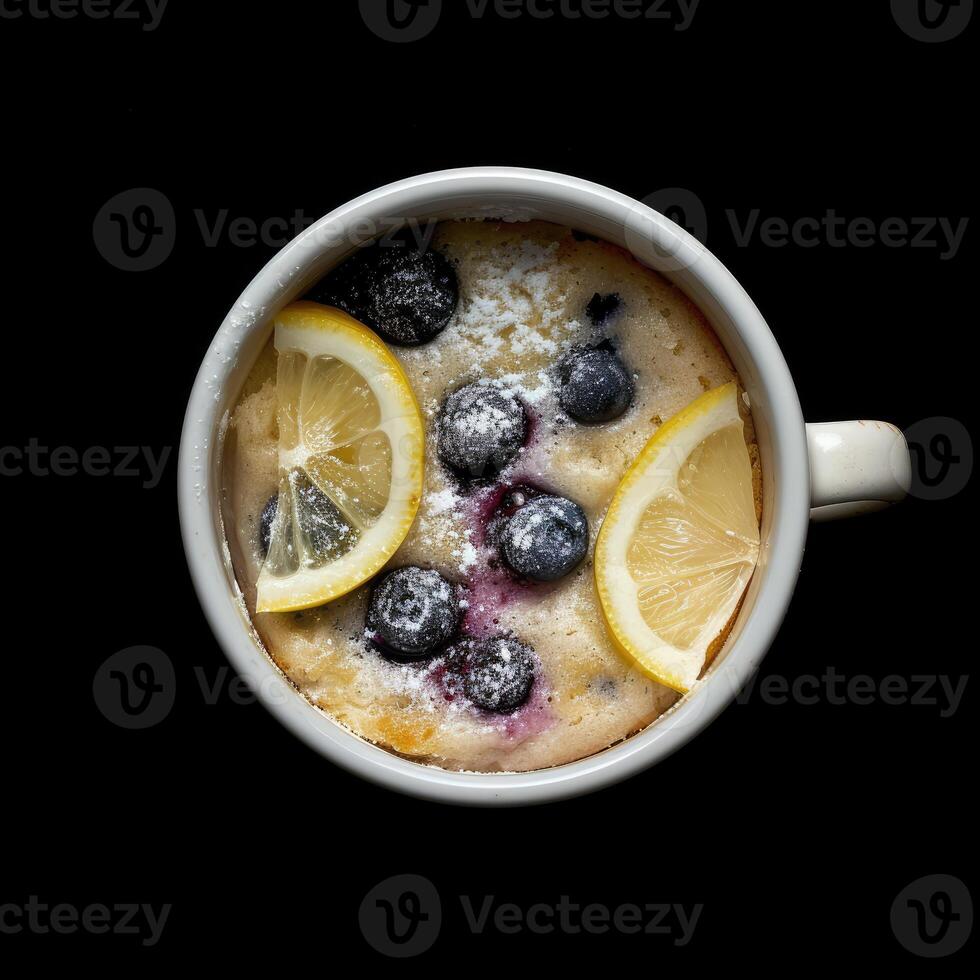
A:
826	470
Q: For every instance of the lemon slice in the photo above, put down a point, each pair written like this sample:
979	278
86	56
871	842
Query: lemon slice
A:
350	459
680	541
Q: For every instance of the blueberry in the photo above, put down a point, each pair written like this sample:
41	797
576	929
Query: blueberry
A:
324	530
495	673
595	385
311	521
545	539
265	522
601	308
405	294
480	430
413	612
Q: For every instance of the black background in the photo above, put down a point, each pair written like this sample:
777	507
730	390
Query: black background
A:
796	825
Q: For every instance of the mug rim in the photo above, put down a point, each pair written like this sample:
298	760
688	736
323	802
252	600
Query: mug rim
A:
292	270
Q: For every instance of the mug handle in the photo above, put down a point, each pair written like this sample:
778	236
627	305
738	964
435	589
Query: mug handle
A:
856	468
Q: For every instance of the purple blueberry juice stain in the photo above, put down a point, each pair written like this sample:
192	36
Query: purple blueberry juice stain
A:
500	501
531	718
484	507
440	679
489	593
491	586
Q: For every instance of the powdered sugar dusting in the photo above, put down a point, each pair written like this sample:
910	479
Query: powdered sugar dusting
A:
525	293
